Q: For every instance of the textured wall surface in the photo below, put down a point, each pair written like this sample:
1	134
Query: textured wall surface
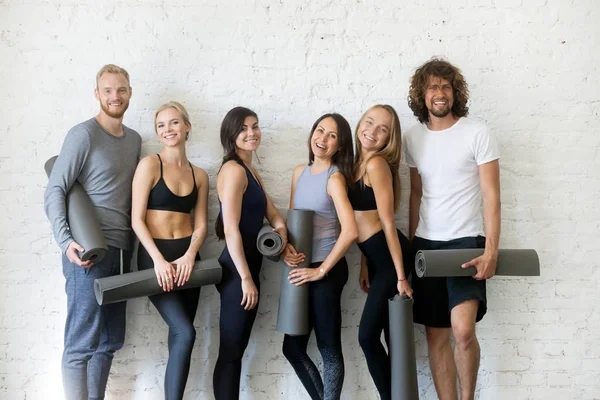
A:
532	66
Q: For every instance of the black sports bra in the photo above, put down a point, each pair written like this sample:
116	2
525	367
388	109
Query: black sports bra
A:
161	197
361	196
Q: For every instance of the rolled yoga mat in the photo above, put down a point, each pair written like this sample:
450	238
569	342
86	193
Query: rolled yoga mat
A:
402	349
444	263
269	243
144	283
292	316
81	217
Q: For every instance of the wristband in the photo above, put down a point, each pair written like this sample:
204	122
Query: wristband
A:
400	280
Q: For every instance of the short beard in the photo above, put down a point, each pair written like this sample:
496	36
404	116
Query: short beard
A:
112	114
440	114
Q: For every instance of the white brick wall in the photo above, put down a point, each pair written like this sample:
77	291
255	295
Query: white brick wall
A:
532	68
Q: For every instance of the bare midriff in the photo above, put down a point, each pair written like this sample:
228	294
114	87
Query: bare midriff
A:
368	223
168	224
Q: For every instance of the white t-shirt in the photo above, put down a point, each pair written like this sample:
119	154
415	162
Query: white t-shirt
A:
448	162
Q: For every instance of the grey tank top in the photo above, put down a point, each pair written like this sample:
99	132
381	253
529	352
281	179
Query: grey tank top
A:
311	194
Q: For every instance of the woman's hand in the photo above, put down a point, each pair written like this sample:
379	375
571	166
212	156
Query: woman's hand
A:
249	294
291	257
404	288
184	266
300	276
165	274
363	279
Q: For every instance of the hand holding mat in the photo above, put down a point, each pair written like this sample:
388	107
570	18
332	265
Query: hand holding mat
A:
402	349
82	221
292	316
143	283
445	263
269	242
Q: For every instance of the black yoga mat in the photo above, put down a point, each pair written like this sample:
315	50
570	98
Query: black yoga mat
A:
292	316
402	349
432	263
269	243
82	221
144	283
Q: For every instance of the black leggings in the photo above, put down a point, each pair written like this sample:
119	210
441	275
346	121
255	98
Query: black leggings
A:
325	315
375	318
235	323
178	309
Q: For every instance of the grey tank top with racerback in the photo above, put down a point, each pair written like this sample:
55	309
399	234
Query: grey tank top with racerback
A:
311	194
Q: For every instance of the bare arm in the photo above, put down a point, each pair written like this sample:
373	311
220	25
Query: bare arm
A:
290	255
489	176
143	180
380	178
232	183
416	192
273	216
489	180
336	188
200	212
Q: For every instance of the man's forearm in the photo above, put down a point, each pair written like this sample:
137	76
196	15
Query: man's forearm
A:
413	213
491	217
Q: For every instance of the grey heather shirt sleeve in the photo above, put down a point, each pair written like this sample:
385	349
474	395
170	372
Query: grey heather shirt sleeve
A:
70	161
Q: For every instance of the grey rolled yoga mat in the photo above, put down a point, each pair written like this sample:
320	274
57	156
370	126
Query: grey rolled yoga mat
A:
402	349
144	283
269	243
292	316
439	263
82	221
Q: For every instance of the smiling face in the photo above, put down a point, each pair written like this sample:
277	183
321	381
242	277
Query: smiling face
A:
374	129
324	141
249	137
439	97
113	93
171	127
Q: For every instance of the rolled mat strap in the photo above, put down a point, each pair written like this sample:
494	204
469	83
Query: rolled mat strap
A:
83	224
269	242
445	263
292	316
402	349
144	283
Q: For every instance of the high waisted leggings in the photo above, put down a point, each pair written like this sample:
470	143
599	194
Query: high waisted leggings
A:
235	324
375	318
178	309
325	315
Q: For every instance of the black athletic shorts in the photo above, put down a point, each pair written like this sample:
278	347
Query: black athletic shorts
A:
435	297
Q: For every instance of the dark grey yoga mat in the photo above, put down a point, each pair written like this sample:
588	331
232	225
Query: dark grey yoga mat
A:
269	243
81	217
292	316
402	349
439	263
144	283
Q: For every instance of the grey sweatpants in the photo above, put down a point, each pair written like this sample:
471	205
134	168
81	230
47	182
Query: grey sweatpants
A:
92	332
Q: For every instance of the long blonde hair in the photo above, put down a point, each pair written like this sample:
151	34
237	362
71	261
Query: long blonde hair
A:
391	152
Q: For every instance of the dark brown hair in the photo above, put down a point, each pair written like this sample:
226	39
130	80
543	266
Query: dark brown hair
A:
437	68
343	157
232	125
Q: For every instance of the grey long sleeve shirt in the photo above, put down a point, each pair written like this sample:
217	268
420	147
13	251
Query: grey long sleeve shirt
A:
104	165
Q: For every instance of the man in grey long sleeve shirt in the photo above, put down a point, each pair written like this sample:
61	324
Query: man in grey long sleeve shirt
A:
101	154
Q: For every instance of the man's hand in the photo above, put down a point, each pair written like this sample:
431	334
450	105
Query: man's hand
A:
485	265
72	255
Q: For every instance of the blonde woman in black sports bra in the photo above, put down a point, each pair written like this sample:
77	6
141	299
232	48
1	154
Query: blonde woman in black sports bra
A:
168	191
375	196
